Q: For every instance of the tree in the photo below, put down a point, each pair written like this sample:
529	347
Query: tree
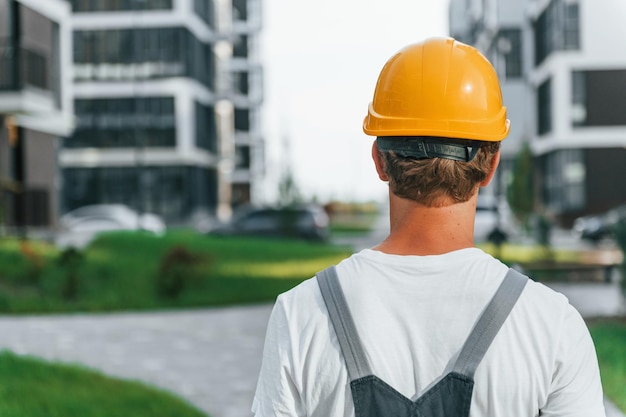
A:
520	192
288	191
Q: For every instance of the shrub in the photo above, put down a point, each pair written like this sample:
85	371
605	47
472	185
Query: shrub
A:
70	261
176	270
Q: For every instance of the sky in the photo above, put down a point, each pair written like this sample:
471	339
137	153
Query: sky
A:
321	61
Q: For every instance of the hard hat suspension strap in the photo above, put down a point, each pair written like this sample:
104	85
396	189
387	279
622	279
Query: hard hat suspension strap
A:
426	147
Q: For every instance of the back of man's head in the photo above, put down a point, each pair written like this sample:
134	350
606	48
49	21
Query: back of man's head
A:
438	117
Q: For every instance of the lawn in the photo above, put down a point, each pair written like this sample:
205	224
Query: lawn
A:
135	271
130	271
610	340
38	388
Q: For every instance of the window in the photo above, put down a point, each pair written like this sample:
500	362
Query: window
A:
564	180
174	51
241	82
557	29
124	123
119	5
173	192
206	129
242	120
542	37
240	47
599	98
204	9
242	157
240	10
509	45
112	45
571	31
578	112
544	108
79	188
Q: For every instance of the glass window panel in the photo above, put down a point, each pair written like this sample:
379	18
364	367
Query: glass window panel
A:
557	28
510	47
544	104
571	27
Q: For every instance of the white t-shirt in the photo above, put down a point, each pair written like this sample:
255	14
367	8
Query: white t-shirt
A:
413	314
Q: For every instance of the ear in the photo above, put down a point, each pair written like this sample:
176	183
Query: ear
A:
494	165
378	162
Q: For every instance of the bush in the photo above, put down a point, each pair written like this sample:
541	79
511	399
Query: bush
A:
70	261
177	270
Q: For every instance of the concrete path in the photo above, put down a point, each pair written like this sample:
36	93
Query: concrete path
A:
209	357
594	299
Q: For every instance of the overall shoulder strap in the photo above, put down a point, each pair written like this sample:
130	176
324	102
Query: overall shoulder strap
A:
343	324
490	323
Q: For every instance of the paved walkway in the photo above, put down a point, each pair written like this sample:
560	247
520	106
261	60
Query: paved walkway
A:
210	357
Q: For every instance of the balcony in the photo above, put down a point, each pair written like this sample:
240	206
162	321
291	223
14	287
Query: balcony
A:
25	81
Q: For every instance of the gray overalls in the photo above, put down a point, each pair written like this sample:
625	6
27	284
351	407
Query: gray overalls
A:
452	395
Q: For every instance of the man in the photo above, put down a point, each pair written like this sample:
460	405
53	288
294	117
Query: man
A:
425	323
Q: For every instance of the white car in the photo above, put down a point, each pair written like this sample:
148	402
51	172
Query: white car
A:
79	227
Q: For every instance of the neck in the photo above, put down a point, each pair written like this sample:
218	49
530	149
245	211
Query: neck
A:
419	230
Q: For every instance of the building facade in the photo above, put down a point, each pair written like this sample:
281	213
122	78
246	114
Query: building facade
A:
36	109
247	77
156	107
564	81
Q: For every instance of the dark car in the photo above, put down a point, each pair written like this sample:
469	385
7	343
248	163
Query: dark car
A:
306	222
599	226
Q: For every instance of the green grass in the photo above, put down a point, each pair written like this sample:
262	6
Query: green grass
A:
121	271
610	341
36	388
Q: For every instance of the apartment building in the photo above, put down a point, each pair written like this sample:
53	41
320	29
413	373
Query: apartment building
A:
158	90
36	109
568	98
247	73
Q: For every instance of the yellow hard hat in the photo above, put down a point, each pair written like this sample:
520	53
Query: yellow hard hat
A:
438	88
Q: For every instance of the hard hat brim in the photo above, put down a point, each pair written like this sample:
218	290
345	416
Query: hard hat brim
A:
494	130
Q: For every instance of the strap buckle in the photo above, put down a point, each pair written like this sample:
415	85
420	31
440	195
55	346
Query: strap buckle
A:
428	147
